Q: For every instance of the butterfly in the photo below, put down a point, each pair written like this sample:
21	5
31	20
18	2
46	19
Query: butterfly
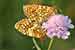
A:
36	15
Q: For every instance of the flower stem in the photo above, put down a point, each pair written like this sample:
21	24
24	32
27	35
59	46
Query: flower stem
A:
50	44
35	43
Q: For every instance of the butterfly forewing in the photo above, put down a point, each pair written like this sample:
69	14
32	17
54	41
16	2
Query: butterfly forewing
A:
38	12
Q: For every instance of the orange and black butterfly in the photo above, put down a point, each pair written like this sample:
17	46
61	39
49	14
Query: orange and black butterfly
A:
36	14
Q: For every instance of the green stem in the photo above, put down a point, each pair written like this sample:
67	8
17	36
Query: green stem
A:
50	44
35	43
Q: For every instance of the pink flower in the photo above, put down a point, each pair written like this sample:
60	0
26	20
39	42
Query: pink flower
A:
58	26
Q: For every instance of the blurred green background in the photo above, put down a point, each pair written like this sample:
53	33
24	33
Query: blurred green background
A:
11	12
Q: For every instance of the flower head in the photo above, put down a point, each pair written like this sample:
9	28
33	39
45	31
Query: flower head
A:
58	26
